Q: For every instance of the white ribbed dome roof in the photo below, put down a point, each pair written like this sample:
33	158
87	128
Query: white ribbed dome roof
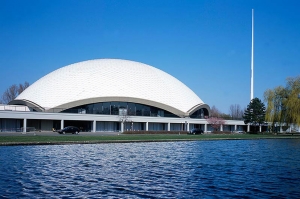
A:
110	80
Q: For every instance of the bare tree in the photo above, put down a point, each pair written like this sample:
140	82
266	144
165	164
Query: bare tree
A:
235	111
22	87
214	112
12	92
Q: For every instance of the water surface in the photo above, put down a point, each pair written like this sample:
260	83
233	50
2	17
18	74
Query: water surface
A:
198	169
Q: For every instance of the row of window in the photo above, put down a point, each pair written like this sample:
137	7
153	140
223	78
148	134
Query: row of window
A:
134	109
113	108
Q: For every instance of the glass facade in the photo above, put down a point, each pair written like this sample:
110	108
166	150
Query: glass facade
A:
112	108
7	125
200	114
108	126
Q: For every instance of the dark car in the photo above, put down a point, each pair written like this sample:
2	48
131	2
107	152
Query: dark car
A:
195	131
69	129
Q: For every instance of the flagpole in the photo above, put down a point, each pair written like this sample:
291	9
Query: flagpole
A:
252	58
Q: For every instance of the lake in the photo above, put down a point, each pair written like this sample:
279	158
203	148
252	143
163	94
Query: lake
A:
263	168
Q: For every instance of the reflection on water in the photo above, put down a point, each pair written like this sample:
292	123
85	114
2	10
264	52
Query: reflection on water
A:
205	169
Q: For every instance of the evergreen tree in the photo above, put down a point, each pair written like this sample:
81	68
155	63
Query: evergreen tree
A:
255	113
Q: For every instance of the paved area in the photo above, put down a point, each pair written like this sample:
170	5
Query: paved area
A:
50	133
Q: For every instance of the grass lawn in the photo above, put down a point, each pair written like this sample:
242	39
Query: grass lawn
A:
75	139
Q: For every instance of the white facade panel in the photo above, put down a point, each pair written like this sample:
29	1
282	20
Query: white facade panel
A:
109	78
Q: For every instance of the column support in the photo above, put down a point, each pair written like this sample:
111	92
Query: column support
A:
260	128
24	125
169	126
146	126
62	124
205	128
94	126
122	127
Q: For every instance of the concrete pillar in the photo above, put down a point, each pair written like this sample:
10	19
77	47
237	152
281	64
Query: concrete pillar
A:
146	126
24	125
248	127
205	128
122	127
259	128
187	126
94	126
221	127
235	127
62	124
169	126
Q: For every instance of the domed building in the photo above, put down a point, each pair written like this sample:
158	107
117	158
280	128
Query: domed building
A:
106	86
111	95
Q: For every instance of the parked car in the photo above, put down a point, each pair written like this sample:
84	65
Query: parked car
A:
69	129
195	131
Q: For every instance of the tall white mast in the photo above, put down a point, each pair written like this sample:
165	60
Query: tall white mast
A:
252	57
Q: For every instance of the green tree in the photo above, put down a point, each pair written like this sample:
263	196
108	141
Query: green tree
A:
283	103
292	102
255	113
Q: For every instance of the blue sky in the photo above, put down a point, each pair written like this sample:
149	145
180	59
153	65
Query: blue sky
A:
206	44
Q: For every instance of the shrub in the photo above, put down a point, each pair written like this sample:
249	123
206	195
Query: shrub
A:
155	132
